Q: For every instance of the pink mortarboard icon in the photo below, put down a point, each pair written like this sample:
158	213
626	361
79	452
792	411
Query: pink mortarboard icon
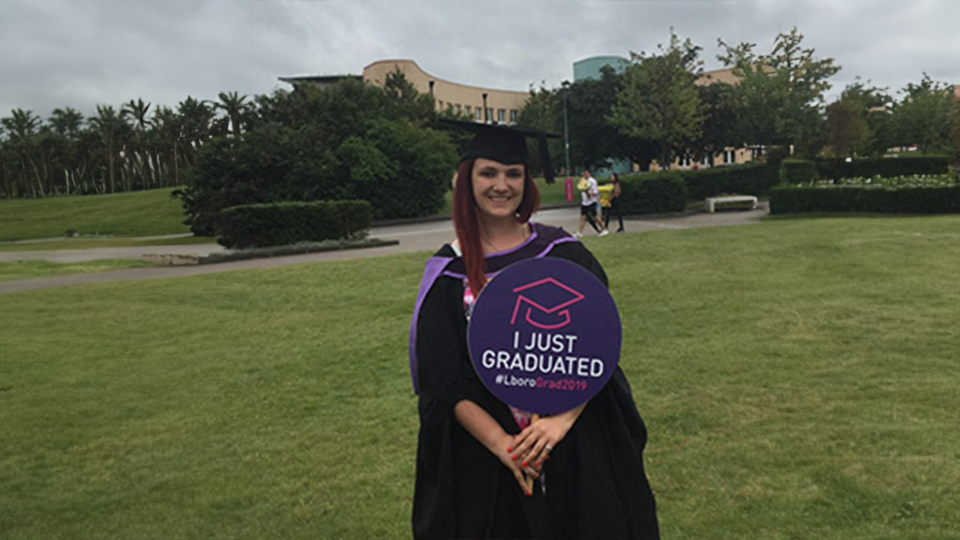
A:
549	298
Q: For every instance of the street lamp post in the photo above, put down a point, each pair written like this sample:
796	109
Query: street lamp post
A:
566	134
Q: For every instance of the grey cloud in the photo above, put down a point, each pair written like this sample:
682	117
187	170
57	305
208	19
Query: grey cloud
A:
59	53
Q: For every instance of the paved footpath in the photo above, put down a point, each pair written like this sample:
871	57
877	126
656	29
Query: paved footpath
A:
413	237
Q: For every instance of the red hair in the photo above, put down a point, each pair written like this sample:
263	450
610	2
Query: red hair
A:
467	223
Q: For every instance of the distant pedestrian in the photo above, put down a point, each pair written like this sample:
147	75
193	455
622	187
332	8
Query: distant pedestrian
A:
589	203
614	202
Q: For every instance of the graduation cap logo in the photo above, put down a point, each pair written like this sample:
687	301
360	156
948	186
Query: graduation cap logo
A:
550	299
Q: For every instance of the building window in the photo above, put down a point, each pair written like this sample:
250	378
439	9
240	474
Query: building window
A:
685	161
468	110
730	156
514	116
489	117
479	114
501	116
440	106
459	111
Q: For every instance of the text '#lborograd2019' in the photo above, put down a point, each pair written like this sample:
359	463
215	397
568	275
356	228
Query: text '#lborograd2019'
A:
542	354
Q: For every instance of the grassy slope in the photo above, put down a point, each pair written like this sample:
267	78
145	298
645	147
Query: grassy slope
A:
142	213
95	243
798	379
36	269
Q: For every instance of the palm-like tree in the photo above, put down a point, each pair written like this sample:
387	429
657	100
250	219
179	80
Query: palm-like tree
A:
22	128
137	110
234	107
112	128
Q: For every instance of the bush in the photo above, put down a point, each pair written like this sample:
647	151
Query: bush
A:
912	200
749	179
285	223
798	171
654	193
837	168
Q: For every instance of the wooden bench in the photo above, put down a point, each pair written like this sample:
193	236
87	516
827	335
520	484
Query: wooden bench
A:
712	202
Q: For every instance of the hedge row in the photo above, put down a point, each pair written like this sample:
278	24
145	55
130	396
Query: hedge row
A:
750	179
285	223
837	168
798	171
659	193
917	200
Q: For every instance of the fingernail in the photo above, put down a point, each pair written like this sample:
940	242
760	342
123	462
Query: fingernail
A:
524	463
537	464
529	494
515	457
510	449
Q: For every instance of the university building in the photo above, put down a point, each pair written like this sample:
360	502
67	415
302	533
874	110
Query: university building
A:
483	104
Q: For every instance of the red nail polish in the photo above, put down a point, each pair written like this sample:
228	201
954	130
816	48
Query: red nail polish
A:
524	463
510	449
537	465
515	457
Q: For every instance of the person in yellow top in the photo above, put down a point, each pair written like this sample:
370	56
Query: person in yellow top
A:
611	200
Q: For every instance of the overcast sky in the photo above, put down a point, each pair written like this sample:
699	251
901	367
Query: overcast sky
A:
79	53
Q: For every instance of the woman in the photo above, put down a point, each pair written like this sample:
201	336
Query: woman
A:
614	202
475	453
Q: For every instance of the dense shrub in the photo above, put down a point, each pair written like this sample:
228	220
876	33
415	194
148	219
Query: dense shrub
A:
837	168
749	179
284	223
654	193
347	141
910	200
798	171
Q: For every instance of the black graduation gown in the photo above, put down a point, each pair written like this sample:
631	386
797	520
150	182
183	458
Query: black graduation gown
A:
596	484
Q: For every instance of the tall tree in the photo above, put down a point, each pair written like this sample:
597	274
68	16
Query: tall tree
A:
137	110
232	104
923	116
22	127
849	135
781	94
659	101
112	129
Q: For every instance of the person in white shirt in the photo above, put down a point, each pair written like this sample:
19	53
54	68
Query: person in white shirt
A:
589	200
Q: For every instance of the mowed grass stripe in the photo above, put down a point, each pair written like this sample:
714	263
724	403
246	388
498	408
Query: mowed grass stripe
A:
798	379
140	213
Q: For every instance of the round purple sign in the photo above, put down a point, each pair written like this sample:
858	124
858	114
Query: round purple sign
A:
545	335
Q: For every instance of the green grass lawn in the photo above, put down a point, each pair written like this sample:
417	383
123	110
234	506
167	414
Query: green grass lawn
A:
798	377
95	243
10	271
141	213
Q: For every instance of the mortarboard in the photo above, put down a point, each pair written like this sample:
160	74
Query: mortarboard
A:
546	296
503	143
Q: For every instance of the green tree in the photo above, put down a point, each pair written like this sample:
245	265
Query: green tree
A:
137	153
232	104
923	116
849	135
22	128
112	130
781	95
659	101
721	126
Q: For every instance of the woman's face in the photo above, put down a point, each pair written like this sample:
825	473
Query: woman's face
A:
497	188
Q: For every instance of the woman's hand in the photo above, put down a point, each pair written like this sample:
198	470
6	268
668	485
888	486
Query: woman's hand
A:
533	445
500	443
524	475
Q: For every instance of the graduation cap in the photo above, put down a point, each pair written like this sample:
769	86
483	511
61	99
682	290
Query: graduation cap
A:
549	298
503	143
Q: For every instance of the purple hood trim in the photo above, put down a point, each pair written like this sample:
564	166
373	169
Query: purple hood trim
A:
540	244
